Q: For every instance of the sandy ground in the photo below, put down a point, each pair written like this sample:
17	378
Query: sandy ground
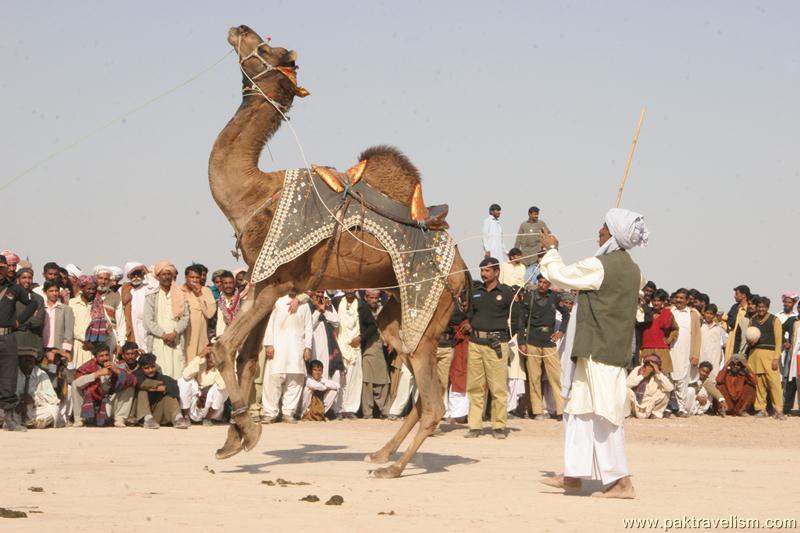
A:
133	479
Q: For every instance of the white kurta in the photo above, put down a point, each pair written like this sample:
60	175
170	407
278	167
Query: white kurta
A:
349	400
680	351
46	402
171	360
493	238
83	316
329	387
289	334
711	345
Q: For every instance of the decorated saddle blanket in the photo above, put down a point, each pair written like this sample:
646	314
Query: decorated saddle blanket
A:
306	215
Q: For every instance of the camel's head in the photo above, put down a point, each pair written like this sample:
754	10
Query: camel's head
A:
264	63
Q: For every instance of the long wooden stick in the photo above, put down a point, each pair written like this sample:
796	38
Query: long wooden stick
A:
630	157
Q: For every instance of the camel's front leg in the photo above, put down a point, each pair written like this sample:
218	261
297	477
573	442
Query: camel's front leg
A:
242	427
431	406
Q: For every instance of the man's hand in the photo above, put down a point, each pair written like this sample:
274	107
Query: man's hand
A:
270	352
646	371
487	253
102	372
293	305
307	354
702	400
169	339
356	342
774	364
51	356
87	346
523	349
555	337
695	361
546	240
112	368
159	388
27	399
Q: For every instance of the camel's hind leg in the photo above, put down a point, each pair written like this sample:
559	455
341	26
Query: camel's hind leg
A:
242	429
431	406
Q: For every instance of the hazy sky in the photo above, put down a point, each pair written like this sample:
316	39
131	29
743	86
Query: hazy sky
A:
519	103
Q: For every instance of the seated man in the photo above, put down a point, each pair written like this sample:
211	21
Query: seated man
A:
202	390
38	403
157	396
648	389
319	394
703	392
100	389
737	384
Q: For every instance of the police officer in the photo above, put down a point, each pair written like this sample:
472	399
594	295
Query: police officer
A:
9	362
487	364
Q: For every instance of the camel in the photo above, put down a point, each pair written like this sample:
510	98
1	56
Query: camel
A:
240	189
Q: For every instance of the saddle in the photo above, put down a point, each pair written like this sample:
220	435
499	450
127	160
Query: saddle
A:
430	217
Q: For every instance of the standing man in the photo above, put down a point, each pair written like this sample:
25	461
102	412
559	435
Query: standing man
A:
527	241
229	301
81	306
349	340
512	272
166	317
288	346
487	362
764	358
741	293
789	300
50	272
537	337
685	353
202	308
609	286
10	295
375	374
493	234
132	293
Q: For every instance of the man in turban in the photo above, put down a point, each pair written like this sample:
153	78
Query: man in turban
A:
605	315
132	296
86	312
166	317
12	260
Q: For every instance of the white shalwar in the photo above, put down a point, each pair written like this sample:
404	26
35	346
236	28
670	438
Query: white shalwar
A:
596	394
290	334
196	378
516	375
682	370
327	386
493	238
349	400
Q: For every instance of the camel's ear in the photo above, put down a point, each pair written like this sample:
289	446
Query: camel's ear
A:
291	56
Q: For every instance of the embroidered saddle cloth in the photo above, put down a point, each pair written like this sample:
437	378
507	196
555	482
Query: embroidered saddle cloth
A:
305	216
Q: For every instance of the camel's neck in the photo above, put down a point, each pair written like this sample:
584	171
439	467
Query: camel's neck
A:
238	186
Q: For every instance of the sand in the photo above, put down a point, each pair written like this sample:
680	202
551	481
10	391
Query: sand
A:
131	479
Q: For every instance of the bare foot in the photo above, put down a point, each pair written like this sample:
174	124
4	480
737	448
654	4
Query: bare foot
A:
621	489
569	484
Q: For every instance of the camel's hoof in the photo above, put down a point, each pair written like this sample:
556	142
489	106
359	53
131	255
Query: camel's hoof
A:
233	444
377	458
387	472
251	435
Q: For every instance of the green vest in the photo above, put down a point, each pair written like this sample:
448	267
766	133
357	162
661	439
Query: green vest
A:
606	317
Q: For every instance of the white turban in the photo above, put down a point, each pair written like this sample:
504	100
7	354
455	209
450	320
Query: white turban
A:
99	269
627	229
116	272
72	270
130	266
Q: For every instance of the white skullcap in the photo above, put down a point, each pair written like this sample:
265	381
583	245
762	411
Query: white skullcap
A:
98	269
72	270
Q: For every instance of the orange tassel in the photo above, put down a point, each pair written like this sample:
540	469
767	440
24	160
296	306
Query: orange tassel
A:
355	172
418	209
329	177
